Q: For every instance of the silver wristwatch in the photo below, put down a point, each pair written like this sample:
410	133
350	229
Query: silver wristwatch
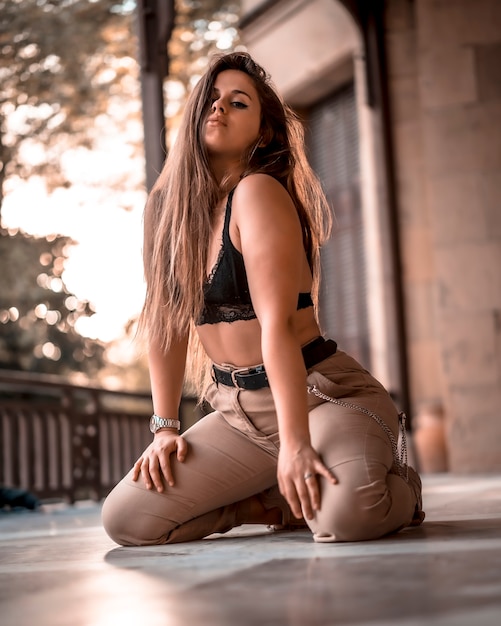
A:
156	423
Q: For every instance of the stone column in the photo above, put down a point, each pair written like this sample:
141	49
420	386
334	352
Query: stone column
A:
458	171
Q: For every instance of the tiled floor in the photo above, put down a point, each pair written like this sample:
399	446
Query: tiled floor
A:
58	568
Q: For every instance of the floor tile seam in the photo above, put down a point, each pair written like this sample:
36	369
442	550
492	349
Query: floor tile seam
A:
20	535
436	518
453	489
50	533
417	547
420	548
61	566
480	616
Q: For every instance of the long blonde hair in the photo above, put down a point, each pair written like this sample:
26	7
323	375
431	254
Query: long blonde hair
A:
177	217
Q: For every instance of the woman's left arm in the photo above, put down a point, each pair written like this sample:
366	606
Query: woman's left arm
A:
271	242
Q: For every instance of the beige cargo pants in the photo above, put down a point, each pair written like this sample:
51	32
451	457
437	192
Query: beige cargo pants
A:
233	455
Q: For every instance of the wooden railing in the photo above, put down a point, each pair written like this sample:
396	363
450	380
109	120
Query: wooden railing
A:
71	442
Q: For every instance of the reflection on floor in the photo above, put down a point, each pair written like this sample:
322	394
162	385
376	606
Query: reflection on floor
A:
58	568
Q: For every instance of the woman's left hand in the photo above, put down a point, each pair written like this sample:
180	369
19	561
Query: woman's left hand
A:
297	479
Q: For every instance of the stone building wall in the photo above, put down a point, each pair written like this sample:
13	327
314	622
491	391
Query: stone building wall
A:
312	48
445	90
444	84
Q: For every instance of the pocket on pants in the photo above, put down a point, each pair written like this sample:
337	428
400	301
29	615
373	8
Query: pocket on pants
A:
257	410
346	384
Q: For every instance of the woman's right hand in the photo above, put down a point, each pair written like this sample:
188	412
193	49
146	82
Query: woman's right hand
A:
154	464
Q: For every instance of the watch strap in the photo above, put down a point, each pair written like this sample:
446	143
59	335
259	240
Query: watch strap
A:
158	422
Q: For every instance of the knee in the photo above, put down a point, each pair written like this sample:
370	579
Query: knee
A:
353	514
115	523
124	524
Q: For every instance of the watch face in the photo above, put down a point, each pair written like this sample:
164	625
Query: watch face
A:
156	423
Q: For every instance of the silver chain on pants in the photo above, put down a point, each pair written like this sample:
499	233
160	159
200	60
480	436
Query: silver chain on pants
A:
399	456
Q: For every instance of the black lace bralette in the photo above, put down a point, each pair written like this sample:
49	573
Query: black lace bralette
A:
226	290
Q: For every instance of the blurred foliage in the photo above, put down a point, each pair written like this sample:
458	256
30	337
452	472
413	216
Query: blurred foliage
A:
37	314
61	64
68	75
201	28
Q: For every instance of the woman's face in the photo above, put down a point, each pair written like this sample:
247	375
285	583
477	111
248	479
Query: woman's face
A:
234	121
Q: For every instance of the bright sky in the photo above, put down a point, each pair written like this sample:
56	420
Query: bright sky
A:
105	266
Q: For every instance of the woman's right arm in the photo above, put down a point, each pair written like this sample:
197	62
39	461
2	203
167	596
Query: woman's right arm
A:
166	375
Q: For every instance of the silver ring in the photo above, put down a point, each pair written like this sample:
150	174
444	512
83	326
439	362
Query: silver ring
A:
309	475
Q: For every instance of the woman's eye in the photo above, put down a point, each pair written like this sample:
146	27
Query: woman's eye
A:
239	105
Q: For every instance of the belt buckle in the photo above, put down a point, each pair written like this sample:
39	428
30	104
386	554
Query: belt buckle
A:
237	372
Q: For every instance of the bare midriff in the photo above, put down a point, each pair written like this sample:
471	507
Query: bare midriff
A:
239	343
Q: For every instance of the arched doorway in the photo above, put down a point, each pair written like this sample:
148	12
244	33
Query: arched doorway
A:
325	56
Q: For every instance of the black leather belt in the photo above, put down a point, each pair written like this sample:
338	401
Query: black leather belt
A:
255	377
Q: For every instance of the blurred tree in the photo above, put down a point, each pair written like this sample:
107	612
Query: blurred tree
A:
202	29
37	314
69	75
62	63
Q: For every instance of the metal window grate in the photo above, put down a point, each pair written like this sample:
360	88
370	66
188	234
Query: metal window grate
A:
334	155
70	442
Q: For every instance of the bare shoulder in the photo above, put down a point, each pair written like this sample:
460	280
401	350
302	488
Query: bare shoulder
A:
264	216
263	194
257	183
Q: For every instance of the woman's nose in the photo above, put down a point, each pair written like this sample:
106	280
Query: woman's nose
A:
217	106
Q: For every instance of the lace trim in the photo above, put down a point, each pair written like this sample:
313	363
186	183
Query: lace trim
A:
216	265
226	313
